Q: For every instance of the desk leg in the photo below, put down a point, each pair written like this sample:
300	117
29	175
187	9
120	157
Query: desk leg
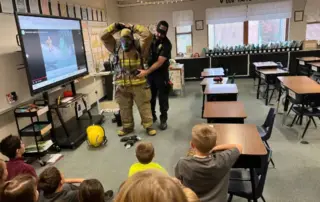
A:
203	99
285	109
253	179
267	93
258	90
279	97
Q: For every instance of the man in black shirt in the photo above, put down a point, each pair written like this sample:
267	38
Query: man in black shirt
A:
158	72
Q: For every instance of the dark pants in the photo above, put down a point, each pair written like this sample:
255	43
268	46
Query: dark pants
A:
159	87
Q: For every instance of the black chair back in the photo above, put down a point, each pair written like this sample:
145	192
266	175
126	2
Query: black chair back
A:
316	77
268	123
232	78
265	160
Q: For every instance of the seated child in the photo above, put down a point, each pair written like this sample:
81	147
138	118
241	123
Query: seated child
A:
54	187
207	173
21	188
144	154
150	186
92	191
3	172
13	148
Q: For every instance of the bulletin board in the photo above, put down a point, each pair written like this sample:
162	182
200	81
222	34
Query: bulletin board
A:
13	77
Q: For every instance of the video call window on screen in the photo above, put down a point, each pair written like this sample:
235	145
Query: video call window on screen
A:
53	49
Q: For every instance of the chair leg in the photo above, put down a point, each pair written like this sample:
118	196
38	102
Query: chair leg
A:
271	95
305	130
264	200
274	166
294	119
230	198
290	109
315	125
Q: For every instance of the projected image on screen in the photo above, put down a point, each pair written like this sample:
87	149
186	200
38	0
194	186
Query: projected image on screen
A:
58	53
54	49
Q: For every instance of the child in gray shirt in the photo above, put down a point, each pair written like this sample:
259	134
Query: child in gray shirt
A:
207	173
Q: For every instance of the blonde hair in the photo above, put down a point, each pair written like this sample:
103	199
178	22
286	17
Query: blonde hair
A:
150	185
204	137
145	152
191	196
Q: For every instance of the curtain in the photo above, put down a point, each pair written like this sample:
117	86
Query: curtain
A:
182	18
226	14
312	11
267	11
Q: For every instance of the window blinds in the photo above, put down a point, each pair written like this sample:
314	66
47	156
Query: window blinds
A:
226	14
182	18
267	11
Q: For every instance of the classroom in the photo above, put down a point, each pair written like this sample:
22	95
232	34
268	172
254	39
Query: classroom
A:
202	100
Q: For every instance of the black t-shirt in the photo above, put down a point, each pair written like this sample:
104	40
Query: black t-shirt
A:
160	48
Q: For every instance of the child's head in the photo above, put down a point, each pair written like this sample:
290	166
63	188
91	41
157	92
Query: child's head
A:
21	188
91	191
150	185
145	152
191	196
3	172
12	147
50	180
204	138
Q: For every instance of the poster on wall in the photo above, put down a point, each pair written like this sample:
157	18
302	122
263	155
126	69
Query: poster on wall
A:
63	8
6	6
70	11
103	16
84	13
78	11
89	13
34	6
94	13
54	7
99	15
21	6
86	39
45	7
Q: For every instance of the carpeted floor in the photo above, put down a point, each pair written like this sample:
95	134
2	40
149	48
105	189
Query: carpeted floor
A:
296	177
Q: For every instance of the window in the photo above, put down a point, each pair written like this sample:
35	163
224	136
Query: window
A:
184	39
265	31
229	34
313	31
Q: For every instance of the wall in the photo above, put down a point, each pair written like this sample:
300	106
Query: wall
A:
87	86
154	13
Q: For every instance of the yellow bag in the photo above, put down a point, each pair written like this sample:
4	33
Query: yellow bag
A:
96	136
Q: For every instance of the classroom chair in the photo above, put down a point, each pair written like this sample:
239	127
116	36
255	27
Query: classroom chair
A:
310	111
265	130
232	78
241	187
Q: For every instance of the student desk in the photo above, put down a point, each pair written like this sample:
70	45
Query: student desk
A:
206	81
224	92
297	88
212	72
315	66
269	76
265	65
224	112
303	67
253	148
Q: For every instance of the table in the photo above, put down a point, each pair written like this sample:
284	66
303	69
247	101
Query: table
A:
212	72
315	66
224	112
297	88
253	148
206	81
269	76
224	92
265	65
305	68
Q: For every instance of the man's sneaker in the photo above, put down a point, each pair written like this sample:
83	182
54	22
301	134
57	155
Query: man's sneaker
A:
163	125
151	131
125	131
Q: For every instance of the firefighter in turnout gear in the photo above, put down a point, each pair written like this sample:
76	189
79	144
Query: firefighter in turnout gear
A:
128	58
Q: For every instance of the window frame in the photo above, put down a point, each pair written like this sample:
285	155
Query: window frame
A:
183	33
246	31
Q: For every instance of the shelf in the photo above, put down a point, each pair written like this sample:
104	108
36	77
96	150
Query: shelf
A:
43	147
41	129
24	112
